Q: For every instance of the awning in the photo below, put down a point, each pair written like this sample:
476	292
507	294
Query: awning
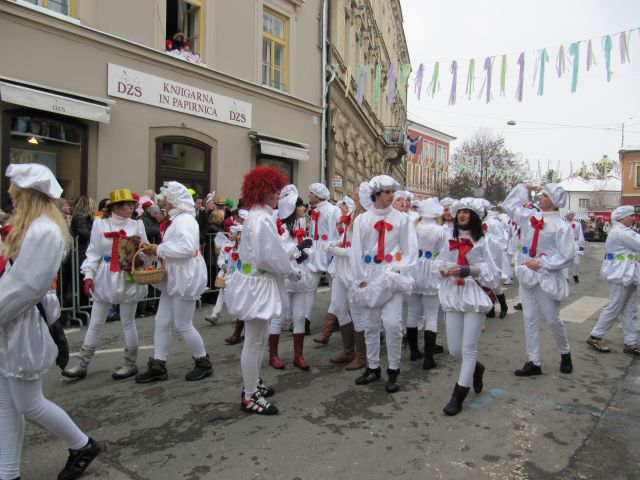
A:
280	147
50	102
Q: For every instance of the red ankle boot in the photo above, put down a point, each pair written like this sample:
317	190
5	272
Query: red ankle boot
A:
298	359
274	359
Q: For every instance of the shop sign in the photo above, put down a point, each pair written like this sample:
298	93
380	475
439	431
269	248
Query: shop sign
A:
336	182
163	93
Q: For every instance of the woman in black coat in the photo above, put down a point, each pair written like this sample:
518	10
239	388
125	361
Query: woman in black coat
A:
81	222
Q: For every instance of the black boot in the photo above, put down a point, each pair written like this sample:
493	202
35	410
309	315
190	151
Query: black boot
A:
370	375
477	377
392	386
429	349
503	305
454	406
438	349
566	366
201	369
518	306
491	313
79	460
412	340
156	370
307	327
528	370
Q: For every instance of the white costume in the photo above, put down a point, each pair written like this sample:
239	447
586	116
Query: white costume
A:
578	237
27	350
621	268
547	238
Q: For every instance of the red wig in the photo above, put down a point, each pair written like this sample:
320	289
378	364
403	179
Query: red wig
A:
261	182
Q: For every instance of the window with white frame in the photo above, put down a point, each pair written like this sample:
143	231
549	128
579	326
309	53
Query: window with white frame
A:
583	203
275	40
184	24
64	7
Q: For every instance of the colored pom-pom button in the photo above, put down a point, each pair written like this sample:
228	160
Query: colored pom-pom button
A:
367	259
388	258
246	268
239	264
428	254
398	256
348	245
376	259
609	256
324	237
525	250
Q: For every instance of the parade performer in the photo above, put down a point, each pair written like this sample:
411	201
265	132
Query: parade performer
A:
29	261
545	249
578	237
424	302
256	291
291	229
402	202
447	219
323	230
621	269
185	281
383	251
469	269
108	281
497	242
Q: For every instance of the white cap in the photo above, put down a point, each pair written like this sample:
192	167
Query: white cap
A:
288	199
430	208
556	194
243	214
348	201
469	203
569	212
623	211
34	176
178	195
319	190
403	194
375	185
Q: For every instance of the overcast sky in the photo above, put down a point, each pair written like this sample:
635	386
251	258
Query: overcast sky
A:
547	127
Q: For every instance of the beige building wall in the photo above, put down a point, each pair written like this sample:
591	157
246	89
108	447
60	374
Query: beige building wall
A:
73	59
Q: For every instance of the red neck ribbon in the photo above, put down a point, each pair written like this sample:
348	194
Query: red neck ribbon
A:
114	267
4	232
280	227
314	216
299	234
346	221
537	226
163	227
381	226
463	245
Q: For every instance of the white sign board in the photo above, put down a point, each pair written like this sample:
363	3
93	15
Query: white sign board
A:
160	92
336	182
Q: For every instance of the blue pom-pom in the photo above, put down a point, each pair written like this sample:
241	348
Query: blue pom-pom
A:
367	259
525	250
609	256
428	254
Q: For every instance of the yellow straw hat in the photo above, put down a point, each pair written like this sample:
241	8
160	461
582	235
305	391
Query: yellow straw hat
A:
120	196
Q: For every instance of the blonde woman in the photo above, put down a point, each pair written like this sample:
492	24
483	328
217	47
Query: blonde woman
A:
26	347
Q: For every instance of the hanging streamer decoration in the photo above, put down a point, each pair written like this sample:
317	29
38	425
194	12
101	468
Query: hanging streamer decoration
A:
503	76
520	77
574	51
454	83
471	75
417	87
544	58
488	68
362	74
561	62
347	81
391	87
434	84
378	83
403	80
591	58
607	45
624	48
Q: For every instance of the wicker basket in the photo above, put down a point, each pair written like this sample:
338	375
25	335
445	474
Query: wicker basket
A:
147	277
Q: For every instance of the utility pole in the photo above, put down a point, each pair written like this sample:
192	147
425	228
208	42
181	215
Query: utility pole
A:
622	141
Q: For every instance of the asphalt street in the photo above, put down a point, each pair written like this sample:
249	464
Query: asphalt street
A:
580	426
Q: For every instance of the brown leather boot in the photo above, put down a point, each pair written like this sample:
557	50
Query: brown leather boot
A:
360	360
327	330
346	355
236	335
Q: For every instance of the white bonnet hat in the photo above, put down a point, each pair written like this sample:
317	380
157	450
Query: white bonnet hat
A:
288	199
469	203
320	190
556	194
375	185
430	208
34	176
243	214
623	211
178	195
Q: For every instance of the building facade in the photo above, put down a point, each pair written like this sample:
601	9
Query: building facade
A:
120	94
599	193
630	167
364	138
427	160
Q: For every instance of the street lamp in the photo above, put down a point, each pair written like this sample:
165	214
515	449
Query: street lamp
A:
511	122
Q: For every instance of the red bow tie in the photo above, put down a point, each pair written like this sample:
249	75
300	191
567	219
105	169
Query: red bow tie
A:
163	226
314	216
463	245
537	226
346	221
228	248
300	234
280	227
113	266
381	226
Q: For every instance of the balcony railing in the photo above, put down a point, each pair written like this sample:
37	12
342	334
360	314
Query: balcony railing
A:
394	136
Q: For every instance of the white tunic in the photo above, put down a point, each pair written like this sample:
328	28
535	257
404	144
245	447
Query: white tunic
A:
392	273
469	297
432	241
341	266
620	264
180	249
578	236
555	249
111	287
26	347
256	291
307	282
329	215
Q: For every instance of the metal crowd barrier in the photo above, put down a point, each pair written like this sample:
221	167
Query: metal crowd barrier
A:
69	285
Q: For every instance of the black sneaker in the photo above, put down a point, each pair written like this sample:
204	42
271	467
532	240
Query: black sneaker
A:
370	375
258	404
517	306
528	370
265	390
566	366
200	370
576	279
156	371
79	460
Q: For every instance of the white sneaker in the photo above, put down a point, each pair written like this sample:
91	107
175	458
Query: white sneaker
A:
212	318
508	281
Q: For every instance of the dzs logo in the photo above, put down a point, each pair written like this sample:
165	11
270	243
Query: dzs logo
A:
129	85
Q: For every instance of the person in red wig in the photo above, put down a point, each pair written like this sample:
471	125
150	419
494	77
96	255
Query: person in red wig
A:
256	291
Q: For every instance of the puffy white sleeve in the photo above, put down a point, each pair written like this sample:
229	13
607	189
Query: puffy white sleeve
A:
30	276
630	239
514	202
180	245
267	248
489	275
359	274
564	252
333	221
94	251
408	244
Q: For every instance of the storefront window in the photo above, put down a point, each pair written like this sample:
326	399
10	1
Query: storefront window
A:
58	6
184	160
285	166
32	137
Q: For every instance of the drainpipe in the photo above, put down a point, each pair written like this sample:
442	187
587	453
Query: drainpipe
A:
325	91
